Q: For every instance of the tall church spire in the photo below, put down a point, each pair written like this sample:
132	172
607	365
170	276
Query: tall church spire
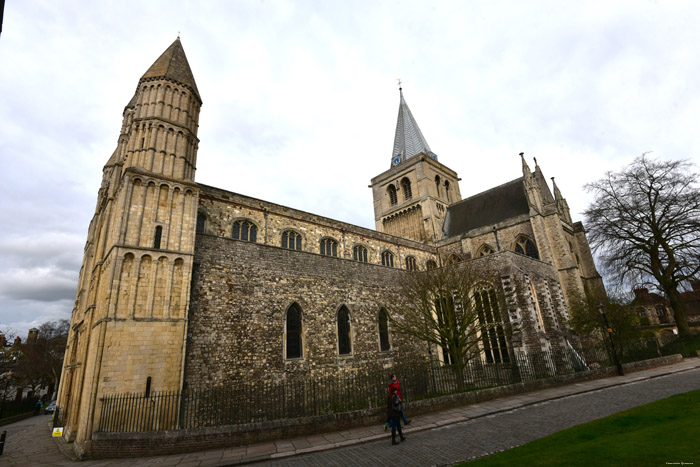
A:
409	140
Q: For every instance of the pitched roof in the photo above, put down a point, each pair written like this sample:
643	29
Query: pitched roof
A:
408	140
487	208
173	65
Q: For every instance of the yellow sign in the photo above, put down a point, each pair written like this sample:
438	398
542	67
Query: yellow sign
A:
57	432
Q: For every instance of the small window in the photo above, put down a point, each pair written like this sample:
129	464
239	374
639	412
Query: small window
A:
524	246
294	347
393	199
359	253
437	185
329	247
485	250
383	330
447	191
157	237
291	240
344	346
430	265
388	259
454	259
660	311
245	230
406	187
201	221
411	263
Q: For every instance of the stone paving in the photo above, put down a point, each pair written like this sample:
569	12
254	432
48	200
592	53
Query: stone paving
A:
440	438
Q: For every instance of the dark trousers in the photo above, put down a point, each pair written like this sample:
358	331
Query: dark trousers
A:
395	423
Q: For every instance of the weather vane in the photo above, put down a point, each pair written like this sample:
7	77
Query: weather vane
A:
399	82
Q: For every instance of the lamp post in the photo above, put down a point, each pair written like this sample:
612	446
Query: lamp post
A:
601	308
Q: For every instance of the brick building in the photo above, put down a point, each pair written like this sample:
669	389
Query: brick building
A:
187	285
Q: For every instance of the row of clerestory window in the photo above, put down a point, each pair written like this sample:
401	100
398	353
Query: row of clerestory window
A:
294	331
246	230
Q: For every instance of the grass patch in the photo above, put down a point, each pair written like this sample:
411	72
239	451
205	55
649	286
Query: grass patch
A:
659	433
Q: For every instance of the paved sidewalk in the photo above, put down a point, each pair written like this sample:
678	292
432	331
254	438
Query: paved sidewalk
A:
29	441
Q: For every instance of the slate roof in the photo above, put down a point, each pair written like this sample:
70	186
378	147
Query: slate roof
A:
173	65
486	209
408	140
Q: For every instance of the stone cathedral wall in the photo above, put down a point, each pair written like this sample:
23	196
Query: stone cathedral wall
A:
241	292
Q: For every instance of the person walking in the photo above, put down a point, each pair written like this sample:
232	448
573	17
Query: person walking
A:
396	384
393	414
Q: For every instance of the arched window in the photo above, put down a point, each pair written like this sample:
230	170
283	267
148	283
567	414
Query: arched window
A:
291	240
437	185
525	246
201	222
661	314
485	250
245	230
383	322
454	259
493	337
293	332
157	237
447	191
430	265
411	263
388	259
344	345
393	199
406	187
359	253
329	247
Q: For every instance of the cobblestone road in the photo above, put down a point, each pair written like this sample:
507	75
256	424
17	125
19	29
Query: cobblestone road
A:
479	437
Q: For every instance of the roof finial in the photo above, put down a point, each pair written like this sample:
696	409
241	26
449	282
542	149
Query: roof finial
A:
399	82
178	34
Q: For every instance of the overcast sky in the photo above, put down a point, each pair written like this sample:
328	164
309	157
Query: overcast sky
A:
300	104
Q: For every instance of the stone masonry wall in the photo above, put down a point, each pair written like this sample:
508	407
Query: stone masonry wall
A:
240	297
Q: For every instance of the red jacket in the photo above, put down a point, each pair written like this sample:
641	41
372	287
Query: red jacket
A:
396	385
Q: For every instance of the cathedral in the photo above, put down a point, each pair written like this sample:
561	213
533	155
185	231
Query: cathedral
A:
185	285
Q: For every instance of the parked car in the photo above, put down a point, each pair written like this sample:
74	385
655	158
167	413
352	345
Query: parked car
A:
51	408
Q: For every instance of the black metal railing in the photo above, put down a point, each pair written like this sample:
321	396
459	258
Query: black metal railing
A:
246	402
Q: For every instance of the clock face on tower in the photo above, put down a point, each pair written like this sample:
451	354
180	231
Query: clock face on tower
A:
396	160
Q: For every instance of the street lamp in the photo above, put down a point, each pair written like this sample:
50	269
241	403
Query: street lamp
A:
601	308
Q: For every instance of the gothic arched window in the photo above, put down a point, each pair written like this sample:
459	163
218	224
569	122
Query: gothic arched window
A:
493	337
454	259
329	247
525	246
411	263
157	237
291	240
485	250
430	265
383	322
437	185
293	332
201	222
344	344
359	253
447	191
245	230
393	199
388	259
406	187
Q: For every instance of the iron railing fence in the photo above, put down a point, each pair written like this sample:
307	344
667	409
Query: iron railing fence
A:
248	402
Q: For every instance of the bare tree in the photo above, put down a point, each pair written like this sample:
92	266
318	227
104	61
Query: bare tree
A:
455	308
644	224
40	361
